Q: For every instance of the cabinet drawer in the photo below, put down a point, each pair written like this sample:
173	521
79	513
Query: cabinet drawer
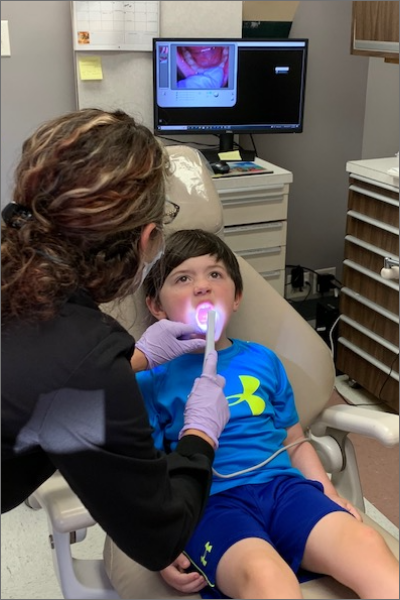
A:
377	203
372	316
242	206
365	254
373	232
265	259
259	235
372	286
369	342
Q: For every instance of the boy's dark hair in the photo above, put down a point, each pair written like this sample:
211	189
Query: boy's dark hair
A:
190	243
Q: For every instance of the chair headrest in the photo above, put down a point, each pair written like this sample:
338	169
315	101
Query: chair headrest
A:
192	188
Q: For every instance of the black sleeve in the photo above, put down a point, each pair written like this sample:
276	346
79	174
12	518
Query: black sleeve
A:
97	434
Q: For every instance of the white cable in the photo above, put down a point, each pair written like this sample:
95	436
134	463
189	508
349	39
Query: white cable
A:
262	464
331	337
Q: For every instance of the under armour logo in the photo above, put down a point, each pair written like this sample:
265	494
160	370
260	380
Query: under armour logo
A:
250	385
207	548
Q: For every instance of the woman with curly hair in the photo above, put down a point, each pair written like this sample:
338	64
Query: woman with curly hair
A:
84	227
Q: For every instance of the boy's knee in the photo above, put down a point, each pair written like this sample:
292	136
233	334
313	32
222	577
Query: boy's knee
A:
371	539
262	572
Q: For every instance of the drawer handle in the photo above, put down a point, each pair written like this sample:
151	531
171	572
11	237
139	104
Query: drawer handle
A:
371	274
381	197
252	199
345	291
258	251
270	274
370	334
246	190
374	222
232	229
384	186
365	245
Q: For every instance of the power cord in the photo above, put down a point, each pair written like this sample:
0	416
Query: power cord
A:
330	335
388	377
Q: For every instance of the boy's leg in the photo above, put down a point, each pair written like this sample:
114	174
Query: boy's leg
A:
354	554
252	568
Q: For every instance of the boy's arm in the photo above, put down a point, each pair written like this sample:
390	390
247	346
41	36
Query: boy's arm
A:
304	457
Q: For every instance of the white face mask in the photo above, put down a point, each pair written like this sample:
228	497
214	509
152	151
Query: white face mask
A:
148	266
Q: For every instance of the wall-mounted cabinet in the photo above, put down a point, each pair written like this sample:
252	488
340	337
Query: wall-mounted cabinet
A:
375	29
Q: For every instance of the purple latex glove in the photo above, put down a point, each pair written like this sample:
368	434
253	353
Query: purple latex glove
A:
161	342
207	408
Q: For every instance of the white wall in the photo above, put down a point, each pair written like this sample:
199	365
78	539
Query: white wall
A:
381	125
37	80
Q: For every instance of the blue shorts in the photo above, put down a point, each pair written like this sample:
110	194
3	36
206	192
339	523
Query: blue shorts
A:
282	512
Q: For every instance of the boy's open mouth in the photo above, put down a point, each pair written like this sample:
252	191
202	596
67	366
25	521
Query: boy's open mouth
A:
202	313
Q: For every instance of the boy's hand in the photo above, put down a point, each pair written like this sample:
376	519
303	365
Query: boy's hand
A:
345	504
176	577
163	341
207	408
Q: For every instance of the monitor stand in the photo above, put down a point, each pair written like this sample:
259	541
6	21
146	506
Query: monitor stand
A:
226	145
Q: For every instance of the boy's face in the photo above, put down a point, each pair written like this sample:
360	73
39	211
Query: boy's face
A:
193	288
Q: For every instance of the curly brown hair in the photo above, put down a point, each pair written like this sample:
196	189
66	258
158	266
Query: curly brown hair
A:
92	180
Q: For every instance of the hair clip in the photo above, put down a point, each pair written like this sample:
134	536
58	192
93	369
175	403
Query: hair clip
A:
15	215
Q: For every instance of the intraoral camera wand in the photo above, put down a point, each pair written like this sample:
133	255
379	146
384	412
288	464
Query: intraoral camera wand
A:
210	336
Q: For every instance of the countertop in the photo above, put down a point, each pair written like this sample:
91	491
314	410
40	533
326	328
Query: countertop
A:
376	169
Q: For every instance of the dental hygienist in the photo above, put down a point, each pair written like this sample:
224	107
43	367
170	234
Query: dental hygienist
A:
84	227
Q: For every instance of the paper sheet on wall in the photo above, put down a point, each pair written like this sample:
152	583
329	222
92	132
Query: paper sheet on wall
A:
115	25
90	68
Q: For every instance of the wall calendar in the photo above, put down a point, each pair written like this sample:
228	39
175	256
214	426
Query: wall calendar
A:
129	26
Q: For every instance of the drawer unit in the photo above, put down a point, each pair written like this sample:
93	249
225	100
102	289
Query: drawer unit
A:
255	214
368	342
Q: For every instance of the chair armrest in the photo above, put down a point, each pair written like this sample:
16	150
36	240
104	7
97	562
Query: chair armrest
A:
64	509
381	426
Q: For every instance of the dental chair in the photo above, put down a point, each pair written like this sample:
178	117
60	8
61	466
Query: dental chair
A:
264	317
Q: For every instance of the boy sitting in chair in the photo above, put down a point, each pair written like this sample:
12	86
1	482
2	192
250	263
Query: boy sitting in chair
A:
272	509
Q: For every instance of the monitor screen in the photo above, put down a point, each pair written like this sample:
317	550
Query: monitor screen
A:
228	86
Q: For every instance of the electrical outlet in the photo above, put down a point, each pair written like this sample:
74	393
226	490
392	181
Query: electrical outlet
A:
292	293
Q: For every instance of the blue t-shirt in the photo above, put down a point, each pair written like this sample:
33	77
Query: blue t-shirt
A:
261	404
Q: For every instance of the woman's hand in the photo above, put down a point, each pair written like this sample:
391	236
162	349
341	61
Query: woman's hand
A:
166	340
345	504
176	577
207	409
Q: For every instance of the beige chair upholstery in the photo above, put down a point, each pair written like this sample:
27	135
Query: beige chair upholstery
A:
264	317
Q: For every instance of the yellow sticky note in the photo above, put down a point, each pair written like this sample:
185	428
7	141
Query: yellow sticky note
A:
90	68
234	155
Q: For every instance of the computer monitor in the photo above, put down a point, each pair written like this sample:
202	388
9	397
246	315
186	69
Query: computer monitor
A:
228	86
